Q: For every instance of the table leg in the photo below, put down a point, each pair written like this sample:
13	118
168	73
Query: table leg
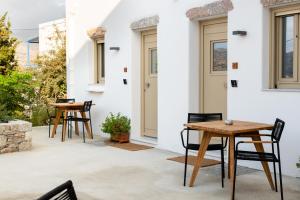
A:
56	122
87	125
203	147
76	124
63	136
231	162
260	148
231	156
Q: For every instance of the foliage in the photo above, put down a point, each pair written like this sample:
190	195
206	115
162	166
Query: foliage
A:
26	92
116	124
4	115
298	164
39	115
50	76
8	45
17	93
51	72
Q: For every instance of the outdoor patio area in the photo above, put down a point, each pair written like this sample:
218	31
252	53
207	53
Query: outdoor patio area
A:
103	172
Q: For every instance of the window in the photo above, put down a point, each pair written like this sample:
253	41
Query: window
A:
153	55
219	56
100	62
285	46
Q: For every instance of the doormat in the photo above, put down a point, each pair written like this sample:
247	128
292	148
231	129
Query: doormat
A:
192	160
128	146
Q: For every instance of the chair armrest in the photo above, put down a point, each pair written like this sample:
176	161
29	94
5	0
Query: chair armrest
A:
251	135
254	142
182	140
258	142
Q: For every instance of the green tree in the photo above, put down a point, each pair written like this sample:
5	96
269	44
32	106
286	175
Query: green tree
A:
17	92
52	70
8	45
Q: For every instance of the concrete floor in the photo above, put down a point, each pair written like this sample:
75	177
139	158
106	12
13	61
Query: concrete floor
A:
102	172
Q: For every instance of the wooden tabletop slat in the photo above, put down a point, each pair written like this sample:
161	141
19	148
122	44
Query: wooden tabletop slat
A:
67	104
221	128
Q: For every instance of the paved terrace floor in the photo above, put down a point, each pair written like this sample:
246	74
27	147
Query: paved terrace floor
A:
103	172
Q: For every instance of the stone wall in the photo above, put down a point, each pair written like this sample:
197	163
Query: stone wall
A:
14	136
216	8
145	23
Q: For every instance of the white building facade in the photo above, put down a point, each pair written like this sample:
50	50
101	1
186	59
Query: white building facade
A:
106	42
47	33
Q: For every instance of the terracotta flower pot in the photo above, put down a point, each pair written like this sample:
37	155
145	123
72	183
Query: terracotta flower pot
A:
121	137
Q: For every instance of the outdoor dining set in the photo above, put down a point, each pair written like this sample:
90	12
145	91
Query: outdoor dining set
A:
211	125
67	110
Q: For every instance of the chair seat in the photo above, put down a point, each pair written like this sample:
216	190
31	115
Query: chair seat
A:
256	156
211	147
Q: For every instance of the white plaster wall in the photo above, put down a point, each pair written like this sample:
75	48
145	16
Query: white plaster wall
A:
250	101
46	33
178	58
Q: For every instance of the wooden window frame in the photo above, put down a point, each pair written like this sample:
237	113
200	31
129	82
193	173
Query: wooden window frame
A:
99	74
276	81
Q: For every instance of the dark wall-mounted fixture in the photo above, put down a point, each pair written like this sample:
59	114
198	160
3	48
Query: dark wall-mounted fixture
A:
240	33
234	83
114	48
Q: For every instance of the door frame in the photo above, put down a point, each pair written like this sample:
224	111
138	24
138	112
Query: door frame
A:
143	34
201	77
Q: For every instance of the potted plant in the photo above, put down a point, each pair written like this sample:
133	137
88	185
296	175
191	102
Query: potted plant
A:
117	126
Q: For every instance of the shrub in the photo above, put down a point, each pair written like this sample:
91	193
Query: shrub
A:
39	115
17	93
116	124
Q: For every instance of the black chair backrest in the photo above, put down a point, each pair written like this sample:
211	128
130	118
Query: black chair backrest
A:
87	106
63	192
65	100
278	129
204	117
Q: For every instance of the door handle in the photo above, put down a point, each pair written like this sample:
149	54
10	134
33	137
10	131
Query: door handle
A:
147	85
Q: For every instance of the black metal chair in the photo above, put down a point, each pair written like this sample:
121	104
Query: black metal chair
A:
52	114
202	117
87	109
63	192
263	156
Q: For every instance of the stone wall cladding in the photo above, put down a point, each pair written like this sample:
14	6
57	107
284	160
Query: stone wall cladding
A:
145	23
14	136
217	8
273	3
96	33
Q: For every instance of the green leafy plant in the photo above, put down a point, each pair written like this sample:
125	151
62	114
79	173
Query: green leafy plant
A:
8	45
39	115
116	124
298	164
4	115
17	92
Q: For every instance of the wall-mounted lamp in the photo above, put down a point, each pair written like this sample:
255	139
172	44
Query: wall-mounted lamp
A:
240	33
114	48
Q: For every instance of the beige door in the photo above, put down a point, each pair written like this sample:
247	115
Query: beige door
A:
149	83
214	67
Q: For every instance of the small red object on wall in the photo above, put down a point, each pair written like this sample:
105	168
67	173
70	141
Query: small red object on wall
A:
235	65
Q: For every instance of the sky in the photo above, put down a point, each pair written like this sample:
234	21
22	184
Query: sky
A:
26	15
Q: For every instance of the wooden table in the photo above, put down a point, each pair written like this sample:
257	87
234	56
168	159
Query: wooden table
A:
66	108
238	129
